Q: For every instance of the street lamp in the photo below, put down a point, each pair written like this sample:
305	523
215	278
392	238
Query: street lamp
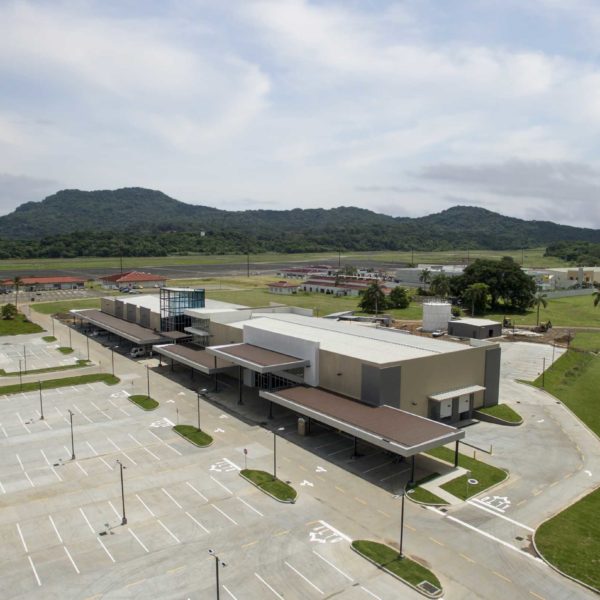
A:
87	342
112	359
217	562
72	440
402	494
124	518
148	379
202	393
41	403
275	451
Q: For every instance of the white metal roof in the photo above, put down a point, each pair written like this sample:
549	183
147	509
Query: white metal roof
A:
150	301
476	322
375	345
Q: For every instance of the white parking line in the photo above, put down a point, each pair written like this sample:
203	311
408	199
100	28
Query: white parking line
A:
2	488
109	466
197	492
22	538
4	431
197	522
385	464
28	478
23	423
165	443
267	585
82	469
345	449
137	539
106	415
336	531
56	474
129	458
105	549
92	449
124	412
224	514
168	531
71	559
115	405
250	506
492	512
171	498
87	521
114	509
95	405
145	505
45	457
55	529
34	571
364	589
303	577
230	594
223	486
63	416
113	445
332	565
20	462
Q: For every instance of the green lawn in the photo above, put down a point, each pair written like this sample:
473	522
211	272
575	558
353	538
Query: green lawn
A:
502	411
275	487
486	475
65	350
587	341
49	338
144	401
49	384
575	311
79	363
419	494
20	324
571	540
407	569
532	257
191	433
575	380
51	308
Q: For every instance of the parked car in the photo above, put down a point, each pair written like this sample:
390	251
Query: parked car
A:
137	351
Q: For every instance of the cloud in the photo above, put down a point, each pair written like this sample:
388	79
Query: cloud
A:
17	189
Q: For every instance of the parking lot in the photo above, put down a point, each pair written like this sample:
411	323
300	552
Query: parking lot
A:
31	352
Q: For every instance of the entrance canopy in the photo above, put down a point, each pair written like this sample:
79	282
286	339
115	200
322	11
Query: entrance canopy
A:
390	428
130	331
256	358
199	360
472	389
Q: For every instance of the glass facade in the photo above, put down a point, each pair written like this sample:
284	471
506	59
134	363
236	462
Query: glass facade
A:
173	303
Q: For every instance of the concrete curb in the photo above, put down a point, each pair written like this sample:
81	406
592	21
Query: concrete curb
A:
425	503
269	493
552	566
414	587
497	420
212	441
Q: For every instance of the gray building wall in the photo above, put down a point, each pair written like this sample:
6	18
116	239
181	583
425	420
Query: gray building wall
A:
492	377
380	386
478	332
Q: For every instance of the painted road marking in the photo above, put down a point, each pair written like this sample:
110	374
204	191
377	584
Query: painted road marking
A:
71	559
250	507
22	538
45	458
34	571
168	530
197	522
105	549
436	541
223	486
249	544
197	492
92	449
303	577
145	505
537	595
109	466
230	594
55	529
114	509
224	514
499	503
137	539
171	498
364	589
327	533
476	505
224	465
466	557
333	566
268	586
87	521
501	576
81	468
162	441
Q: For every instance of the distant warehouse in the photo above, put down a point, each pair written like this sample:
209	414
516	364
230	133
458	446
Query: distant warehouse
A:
33	284
131	279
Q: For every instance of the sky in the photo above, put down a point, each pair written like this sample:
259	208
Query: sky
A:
403	107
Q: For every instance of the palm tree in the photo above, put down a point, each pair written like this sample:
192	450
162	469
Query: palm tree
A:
425	276
596	296
539	300
476	294
440	285
17	282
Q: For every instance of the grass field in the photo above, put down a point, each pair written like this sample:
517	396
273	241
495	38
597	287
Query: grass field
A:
575	380
407	569
49	384
18	325
532	257
80	363
281	490
571	540
51	308
419	494
587	341
574	311
502	411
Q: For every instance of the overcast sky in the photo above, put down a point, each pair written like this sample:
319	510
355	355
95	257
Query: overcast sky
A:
404	107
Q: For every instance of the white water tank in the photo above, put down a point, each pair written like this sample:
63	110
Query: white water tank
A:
436	315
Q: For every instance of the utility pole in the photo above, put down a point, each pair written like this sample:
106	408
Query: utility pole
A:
217	562
25	359
41	403
124	518
247	264
87	343
274	455
402	521
72	439
148	379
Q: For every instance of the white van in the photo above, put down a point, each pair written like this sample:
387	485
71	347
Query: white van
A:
137	351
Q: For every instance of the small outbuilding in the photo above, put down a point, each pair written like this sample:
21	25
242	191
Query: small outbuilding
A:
282	287
479	329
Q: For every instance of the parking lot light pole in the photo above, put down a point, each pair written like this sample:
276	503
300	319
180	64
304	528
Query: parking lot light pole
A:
70	342
148	379
87	342
274	455
202	393
124	518
72	439
41	403
112	359
402	494
217	562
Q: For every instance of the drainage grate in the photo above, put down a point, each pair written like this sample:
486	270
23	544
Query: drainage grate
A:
428	587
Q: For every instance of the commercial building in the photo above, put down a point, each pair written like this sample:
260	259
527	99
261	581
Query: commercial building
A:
478	329
339	285
567	277
34	284
131	279
283	287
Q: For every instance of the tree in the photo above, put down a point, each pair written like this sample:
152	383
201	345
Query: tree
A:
596	296
425	276
398	298
476	294
539	300
440	285
373	299
17	281
9	311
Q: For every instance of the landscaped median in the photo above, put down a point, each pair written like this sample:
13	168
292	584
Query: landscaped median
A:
270	485
144	402
65	350
194	435
48	384
407	570
418	494
570	541
80	363
463	487
501	414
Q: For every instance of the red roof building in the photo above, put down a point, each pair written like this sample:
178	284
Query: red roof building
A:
282	287
131	278
45	283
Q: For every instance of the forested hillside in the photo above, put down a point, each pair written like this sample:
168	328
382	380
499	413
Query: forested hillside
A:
141	222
